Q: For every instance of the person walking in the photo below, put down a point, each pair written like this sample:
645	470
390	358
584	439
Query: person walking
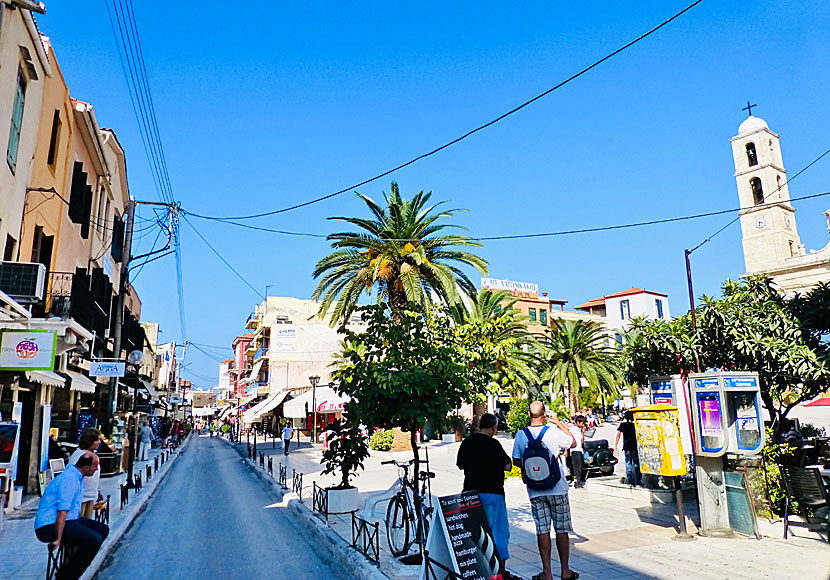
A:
628	432
287	432
89	442
484	461
145	435
577	429
538	449
164	432
58	520
212	428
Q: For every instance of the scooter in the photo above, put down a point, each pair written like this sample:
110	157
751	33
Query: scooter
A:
598	457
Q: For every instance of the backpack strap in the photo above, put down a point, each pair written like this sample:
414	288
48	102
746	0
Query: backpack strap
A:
531	438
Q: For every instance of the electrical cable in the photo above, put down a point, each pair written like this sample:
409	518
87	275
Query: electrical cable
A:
465	135
224	261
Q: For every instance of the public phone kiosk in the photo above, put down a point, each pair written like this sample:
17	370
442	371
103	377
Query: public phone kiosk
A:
672	391
726	413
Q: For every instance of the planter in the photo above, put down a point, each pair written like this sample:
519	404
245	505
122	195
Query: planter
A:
448	438
342	501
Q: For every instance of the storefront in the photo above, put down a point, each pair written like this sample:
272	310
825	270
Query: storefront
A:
329	407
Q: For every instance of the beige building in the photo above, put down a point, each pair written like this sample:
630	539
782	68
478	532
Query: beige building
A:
771	243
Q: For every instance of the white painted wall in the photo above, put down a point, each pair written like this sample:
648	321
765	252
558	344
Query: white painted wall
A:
643	304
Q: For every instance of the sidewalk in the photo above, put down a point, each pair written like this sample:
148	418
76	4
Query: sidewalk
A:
23	556
616	537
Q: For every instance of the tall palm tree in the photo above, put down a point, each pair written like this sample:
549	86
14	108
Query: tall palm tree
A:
577	351
398	250
490	321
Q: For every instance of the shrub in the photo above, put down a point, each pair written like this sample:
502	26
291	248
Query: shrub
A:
382	439
810	430
515	472
518	417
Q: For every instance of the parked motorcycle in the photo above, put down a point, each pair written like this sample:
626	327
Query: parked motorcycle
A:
598	457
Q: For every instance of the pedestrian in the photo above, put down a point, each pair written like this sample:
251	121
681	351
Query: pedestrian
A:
145	435
287	432
89	442
628	432
538	449
58	520
164	433
483	460
577	429
211	428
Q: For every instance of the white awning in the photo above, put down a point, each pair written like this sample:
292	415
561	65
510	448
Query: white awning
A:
225	412
327	399
80	383
265	406
46	378
252	378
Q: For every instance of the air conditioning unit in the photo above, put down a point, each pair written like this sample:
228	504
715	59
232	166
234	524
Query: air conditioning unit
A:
23	281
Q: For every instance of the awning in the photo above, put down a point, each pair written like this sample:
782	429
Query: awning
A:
265	406
47	378
328	401
149	387
79	382
254	376
822	402
225	412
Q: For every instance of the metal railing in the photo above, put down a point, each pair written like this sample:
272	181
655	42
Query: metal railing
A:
297	484
442	572
102	514
283	476
149	472
320	500
366	538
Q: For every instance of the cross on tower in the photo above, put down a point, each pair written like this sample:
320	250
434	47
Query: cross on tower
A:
748	108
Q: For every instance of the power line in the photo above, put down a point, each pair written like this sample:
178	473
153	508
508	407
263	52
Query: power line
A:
465	135
224	261
547	234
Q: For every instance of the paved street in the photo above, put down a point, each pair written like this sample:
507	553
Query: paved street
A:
212	518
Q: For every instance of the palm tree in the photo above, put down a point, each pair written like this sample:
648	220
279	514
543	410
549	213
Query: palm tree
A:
490	322
399	252
577	352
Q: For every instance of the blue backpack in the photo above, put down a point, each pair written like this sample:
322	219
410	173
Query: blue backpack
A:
540	470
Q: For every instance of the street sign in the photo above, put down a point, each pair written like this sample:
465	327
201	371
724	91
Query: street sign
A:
107	369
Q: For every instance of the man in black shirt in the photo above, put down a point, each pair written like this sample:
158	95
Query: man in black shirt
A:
484	462
628	433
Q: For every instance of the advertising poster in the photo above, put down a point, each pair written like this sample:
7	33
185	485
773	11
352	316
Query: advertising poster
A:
461	540
27	350
8	436
44	437
710	424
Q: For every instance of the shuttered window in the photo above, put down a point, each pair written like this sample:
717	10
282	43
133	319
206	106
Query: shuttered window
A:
17	121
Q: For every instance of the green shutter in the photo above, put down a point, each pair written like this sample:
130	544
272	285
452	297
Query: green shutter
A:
17	121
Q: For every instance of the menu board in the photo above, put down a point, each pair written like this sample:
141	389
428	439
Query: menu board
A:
460	538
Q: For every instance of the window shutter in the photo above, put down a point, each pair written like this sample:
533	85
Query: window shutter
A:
76	193
117	239
87	211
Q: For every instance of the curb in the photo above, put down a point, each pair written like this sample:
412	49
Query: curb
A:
342	552
118	530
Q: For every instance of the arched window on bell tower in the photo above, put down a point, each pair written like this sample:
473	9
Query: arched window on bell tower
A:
751	155
757	190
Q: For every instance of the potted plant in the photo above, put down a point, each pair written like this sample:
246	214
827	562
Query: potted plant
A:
347	450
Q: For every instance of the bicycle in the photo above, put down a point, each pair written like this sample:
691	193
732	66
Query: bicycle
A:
404	526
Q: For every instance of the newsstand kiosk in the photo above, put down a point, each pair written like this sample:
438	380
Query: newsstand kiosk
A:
724	417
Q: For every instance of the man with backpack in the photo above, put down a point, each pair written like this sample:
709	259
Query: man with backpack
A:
538	449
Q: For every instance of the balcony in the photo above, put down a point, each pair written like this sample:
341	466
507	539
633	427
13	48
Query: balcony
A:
254	319
68	296
261	353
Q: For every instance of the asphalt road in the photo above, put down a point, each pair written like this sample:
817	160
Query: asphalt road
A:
212	518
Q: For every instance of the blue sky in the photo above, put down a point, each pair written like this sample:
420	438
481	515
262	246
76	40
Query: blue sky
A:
260	109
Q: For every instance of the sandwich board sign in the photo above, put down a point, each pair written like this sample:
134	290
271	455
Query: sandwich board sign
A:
460	540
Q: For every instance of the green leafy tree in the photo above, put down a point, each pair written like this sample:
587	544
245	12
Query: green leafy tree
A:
347	449
401	373
657	347
577	352
403	250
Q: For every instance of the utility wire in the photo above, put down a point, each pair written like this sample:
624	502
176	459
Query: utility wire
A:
777	189
465	135
224	261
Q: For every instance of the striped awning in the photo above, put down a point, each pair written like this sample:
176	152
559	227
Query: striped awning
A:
80	383
46	378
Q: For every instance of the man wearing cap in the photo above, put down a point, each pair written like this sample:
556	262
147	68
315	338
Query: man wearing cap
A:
58	518
484	462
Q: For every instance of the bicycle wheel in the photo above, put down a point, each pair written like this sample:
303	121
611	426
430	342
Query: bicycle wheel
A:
397	526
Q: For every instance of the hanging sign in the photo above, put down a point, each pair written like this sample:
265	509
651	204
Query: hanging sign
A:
107	369
460	540
27	350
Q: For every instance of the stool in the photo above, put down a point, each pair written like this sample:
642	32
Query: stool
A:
102	511
57	558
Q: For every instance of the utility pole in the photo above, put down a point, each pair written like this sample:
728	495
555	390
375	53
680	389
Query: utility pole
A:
119	308
692	299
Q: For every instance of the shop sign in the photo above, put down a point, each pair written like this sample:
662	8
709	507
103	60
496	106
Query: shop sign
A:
518	289
175	399
27	350
283	338
107	369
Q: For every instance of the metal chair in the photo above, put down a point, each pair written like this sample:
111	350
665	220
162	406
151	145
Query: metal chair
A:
805	487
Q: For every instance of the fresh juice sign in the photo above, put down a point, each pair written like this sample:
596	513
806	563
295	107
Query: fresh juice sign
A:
27	350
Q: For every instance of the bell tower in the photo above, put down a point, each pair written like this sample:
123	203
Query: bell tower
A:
767	218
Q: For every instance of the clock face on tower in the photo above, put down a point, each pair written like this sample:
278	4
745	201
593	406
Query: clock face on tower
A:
760	222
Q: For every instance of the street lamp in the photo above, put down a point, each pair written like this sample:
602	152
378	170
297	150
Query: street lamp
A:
314	380
134	360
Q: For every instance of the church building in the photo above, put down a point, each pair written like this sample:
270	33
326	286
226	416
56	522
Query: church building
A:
770	238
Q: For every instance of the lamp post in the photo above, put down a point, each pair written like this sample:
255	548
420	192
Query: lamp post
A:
314	380
134	360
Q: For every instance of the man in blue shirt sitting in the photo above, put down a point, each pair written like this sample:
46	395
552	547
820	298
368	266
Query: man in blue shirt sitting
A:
58	517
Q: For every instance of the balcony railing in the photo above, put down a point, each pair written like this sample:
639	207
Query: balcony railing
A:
68	296
253	320
263	352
